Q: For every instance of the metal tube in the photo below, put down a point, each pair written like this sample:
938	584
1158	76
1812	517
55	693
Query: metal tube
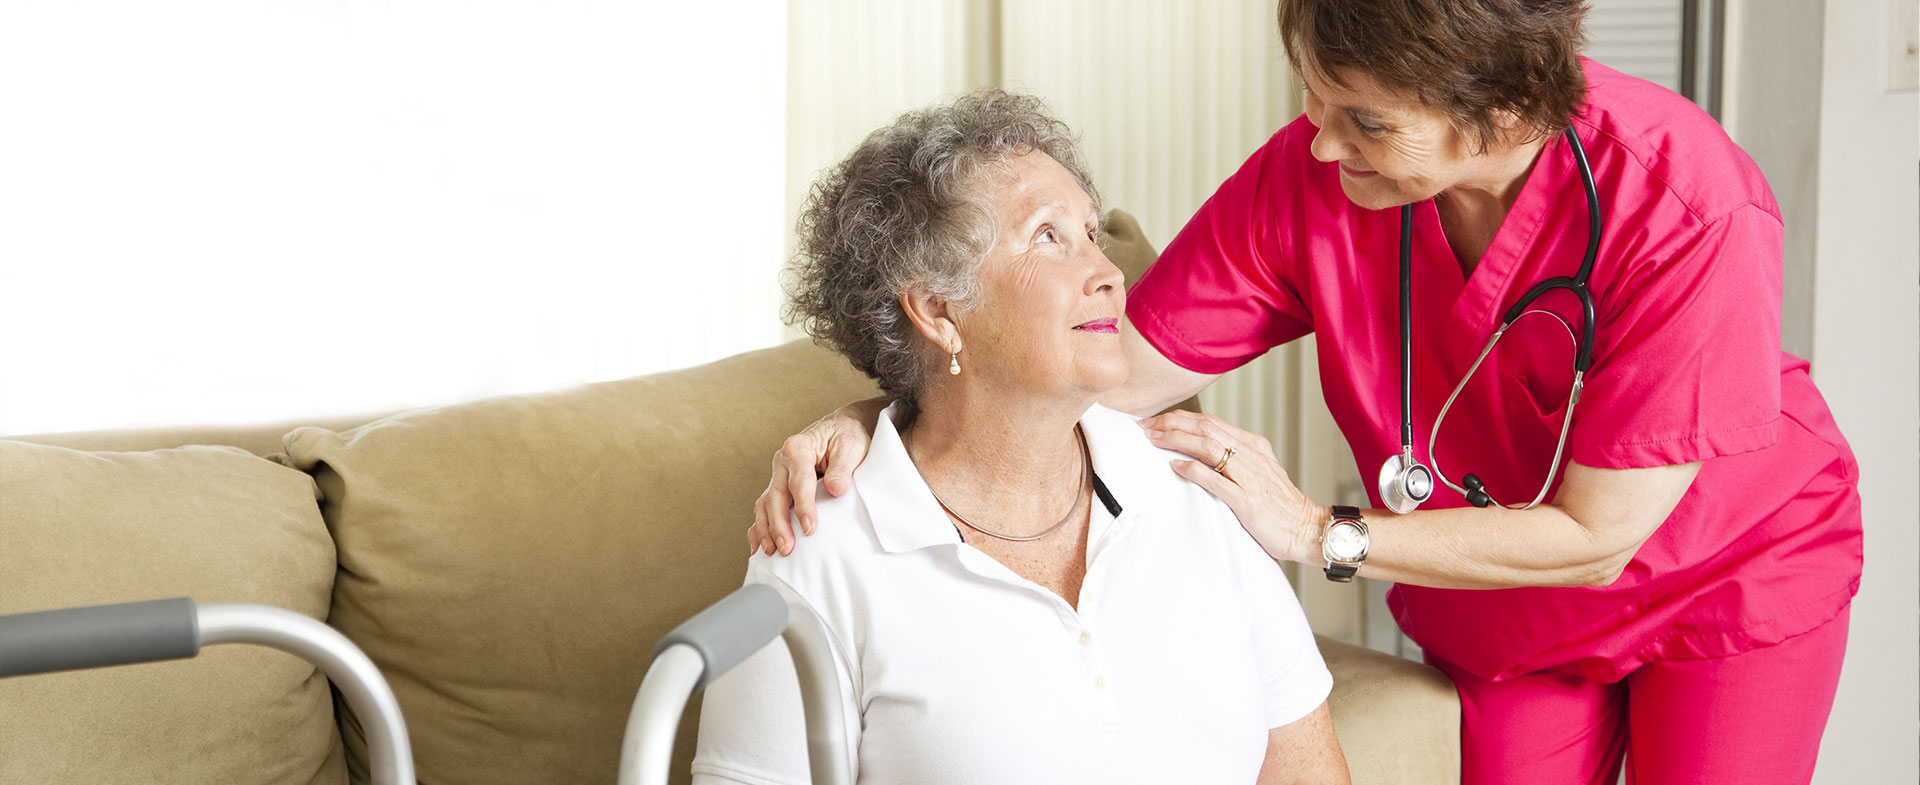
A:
806	639
366	691
646	753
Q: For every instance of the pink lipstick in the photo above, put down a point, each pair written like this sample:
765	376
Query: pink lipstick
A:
1108	326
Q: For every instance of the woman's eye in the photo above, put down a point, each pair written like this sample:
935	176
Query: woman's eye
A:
1370	130
1046	236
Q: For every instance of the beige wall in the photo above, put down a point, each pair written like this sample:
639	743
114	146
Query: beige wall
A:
1772	64
1845	176
1866	343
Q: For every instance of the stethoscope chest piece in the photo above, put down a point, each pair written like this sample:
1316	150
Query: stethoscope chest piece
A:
1404	483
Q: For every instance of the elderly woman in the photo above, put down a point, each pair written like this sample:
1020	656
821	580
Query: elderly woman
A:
1016	587
1662	575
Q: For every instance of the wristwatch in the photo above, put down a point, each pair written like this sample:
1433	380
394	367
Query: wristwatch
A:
1344	544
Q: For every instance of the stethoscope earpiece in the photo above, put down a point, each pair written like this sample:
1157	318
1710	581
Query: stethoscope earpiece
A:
1476	491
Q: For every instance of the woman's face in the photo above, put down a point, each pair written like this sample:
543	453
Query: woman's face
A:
1392	149
1047	316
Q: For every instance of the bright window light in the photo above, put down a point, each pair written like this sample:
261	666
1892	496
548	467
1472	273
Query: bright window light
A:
245	211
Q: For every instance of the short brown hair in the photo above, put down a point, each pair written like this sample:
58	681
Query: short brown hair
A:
1466	58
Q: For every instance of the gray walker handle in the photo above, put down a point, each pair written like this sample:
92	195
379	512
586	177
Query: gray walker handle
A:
135	632
98	636
711	643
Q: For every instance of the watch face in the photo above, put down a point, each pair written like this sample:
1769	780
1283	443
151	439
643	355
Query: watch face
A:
1345	542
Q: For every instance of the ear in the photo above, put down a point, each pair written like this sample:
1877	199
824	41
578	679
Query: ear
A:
933	316
1504	119
1510	128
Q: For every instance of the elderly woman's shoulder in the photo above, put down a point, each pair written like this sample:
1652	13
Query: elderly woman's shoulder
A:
842	536
1143	467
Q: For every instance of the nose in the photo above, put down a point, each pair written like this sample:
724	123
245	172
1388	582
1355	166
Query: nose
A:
1106	277
1327	145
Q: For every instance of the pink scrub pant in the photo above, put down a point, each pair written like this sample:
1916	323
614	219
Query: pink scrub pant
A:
1754	717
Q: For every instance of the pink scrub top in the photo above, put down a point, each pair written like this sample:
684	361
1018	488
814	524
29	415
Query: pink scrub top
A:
1687	367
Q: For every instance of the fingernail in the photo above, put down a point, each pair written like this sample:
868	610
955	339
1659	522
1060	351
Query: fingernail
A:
1155	433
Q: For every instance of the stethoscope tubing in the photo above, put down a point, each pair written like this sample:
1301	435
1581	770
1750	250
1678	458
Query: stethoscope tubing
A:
1576	284
1406	329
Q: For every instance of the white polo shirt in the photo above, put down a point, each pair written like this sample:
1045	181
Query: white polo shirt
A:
1187	647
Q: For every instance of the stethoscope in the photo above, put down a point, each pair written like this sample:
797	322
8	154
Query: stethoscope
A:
1404	482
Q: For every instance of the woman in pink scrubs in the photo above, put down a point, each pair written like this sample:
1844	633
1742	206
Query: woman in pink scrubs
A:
1679	599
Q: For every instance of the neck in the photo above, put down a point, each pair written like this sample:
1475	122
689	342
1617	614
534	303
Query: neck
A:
1472	210
1012	463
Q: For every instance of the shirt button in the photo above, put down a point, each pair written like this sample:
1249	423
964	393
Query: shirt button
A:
1100	681
1086	639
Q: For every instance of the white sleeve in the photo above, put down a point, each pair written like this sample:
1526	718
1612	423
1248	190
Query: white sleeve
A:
1297	679
752	728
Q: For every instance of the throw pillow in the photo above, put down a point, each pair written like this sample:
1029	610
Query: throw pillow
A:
212	523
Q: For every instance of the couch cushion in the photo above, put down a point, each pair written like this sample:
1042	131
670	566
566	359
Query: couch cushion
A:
212	523
1126	244
1398	720
510	563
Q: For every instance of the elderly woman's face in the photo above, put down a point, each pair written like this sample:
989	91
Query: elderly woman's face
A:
1392	149
1047	317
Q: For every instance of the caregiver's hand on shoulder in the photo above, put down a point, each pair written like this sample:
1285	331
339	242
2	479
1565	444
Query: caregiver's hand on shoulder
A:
1282	519
831	447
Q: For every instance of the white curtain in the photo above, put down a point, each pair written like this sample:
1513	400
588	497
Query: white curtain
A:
229	211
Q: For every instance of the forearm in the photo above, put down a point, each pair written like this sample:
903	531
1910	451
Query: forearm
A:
1492	548
1586	537
1154	383
1305	752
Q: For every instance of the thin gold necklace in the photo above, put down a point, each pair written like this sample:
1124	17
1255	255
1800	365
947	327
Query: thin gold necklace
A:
1080	497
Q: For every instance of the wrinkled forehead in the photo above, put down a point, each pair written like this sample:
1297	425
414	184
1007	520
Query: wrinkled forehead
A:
1022	185
1356	87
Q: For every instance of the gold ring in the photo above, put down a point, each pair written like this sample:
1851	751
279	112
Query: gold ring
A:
1221	467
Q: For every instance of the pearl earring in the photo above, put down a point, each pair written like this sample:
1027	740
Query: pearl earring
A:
954	367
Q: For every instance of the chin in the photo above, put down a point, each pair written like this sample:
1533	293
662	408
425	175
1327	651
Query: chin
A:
1372	196
1107	376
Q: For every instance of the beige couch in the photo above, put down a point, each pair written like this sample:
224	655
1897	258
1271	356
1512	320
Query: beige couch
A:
508	563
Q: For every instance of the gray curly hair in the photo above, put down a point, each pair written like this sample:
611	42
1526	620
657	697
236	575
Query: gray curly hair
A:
907	209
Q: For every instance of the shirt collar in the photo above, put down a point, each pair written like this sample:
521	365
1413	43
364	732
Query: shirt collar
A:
904	514
1139	475
906	517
